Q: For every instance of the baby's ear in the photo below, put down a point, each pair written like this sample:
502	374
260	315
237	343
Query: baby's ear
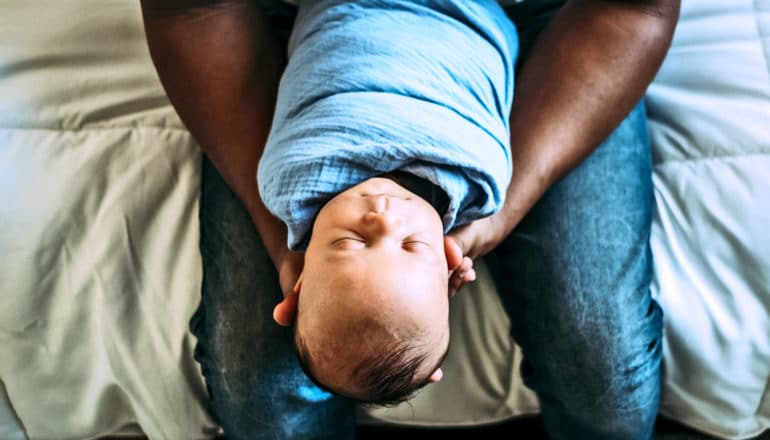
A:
286	311
436	376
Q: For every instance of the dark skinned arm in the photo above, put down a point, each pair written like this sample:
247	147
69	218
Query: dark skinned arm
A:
220	68
587	69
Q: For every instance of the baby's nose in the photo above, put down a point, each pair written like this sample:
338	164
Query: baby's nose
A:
383	222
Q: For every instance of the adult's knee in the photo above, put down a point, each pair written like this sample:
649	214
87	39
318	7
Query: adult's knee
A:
597	376
602	395
605	420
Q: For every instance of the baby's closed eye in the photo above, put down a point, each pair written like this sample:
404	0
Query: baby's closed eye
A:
415	245
347	243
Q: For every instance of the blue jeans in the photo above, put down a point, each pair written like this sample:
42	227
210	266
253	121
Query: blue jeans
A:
574	277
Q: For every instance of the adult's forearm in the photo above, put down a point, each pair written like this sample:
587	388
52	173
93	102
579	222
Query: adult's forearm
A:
588	68
220	68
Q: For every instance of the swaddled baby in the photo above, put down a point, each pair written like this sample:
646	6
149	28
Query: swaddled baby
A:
391	128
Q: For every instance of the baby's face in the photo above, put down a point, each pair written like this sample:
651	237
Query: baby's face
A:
379	219
376	251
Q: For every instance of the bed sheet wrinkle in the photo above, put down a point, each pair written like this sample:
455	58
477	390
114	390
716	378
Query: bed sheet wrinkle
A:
135	271
129	372
762	21
132	109
711	257
161	157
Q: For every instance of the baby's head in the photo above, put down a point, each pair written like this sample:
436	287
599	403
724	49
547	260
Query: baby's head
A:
373	314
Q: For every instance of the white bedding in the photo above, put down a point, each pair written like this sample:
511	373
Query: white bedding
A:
710	125
100	270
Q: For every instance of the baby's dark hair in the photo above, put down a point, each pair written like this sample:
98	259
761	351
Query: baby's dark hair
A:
387	376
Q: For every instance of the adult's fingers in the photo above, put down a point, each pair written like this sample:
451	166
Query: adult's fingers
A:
464	273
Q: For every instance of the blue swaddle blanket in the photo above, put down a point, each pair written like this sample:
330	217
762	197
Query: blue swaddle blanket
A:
374	86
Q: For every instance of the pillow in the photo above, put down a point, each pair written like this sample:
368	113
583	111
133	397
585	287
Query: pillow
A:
99	269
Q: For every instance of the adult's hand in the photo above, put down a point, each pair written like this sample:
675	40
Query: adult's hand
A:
460	267
467	243
477	238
